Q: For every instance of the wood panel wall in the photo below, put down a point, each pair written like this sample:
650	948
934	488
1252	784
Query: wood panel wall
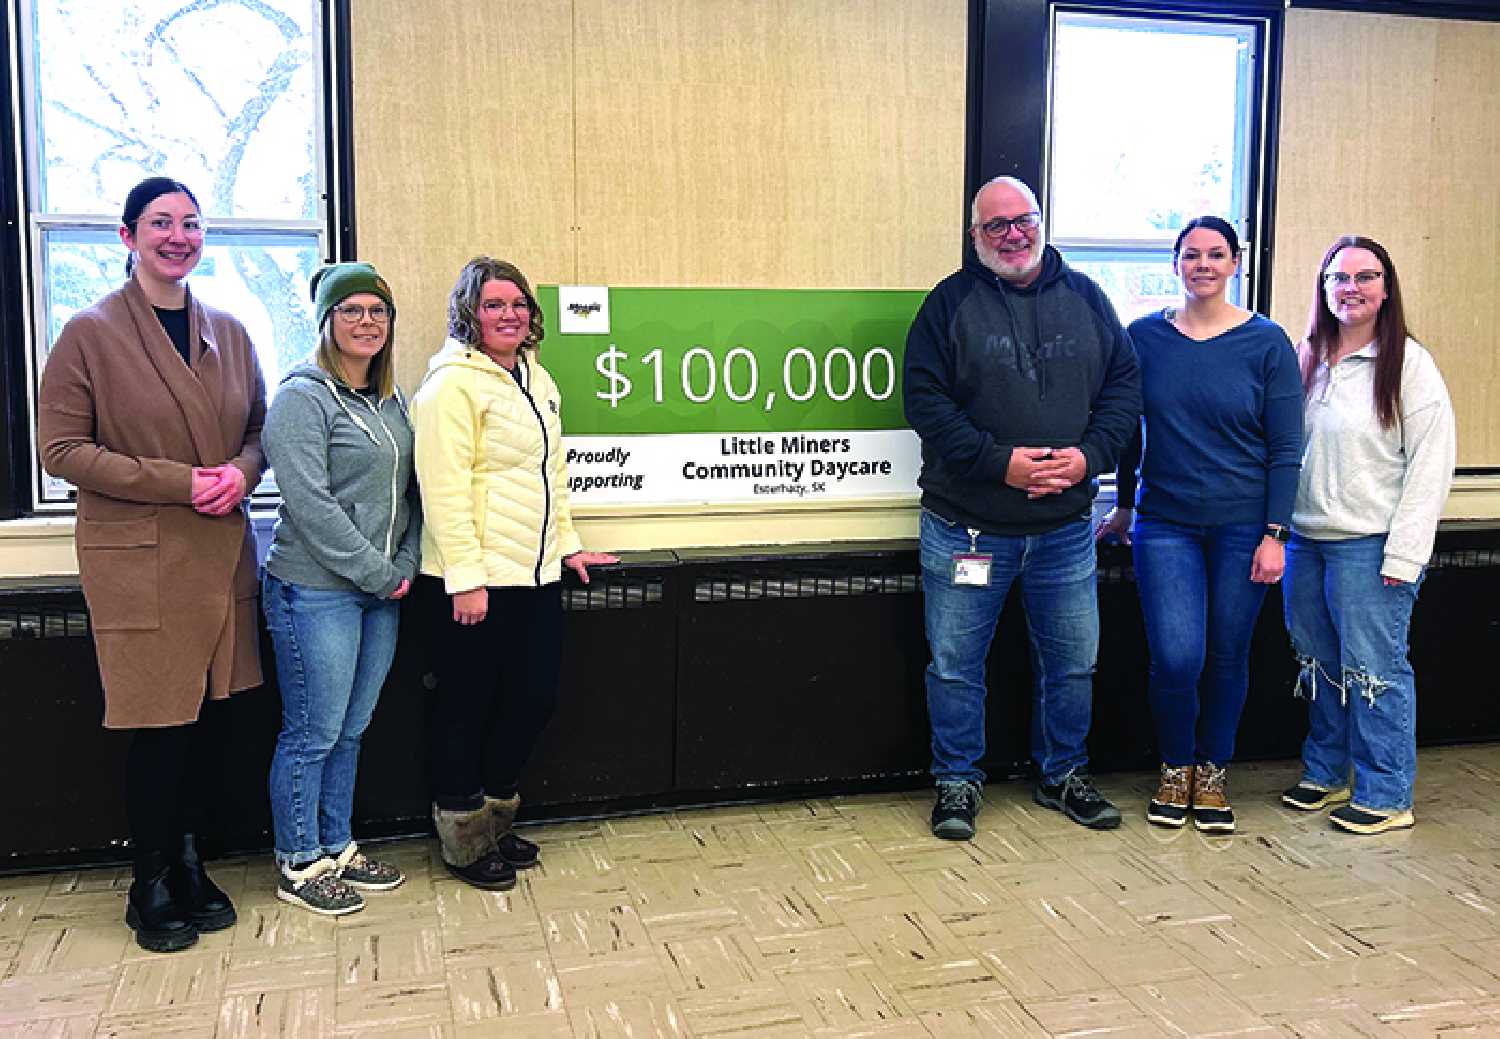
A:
657	142
1390	127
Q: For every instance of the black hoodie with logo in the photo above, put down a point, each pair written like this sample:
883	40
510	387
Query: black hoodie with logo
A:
990	367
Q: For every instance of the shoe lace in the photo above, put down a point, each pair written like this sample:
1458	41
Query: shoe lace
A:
957	795
328	886
1082	788
1211	778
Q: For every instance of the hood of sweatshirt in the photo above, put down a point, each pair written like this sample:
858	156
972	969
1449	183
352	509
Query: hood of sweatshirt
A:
351	402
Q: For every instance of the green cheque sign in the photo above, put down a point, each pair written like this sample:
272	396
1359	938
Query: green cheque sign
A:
729	360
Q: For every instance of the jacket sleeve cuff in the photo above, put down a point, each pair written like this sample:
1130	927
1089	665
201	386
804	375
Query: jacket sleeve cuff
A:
1400	569
464	579
1093	464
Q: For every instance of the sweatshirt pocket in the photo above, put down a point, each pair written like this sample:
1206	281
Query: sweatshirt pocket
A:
121	570
372	520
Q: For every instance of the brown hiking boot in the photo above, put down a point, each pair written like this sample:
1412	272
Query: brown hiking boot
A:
1211	811
1173	796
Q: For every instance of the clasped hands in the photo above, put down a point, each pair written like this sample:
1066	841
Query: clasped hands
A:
1040	471
218	489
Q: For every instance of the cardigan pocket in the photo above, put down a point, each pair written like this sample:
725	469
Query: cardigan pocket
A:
120	566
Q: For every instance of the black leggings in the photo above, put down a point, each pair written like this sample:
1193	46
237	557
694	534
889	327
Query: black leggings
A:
172	776
496	691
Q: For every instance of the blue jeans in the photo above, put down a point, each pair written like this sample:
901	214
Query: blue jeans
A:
1200	608
1349	630
333	650
1058	590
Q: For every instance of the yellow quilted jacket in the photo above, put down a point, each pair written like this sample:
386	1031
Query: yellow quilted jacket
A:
490	463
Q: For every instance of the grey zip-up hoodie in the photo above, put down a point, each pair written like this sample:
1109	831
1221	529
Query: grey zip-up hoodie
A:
350	514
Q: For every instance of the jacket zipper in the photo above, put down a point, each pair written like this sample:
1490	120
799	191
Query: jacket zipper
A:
541	545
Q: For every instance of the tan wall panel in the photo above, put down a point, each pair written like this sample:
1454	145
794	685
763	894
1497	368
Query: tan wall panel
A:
662	142
1389	129
463	140
729	142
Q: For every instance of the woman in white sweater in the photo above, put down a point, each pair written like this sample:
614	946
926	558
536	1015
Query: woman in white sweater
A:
1376	469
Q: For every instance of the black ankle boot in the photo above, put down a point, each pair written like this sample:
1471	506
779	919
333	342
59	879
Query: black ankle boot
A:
199	898
150	911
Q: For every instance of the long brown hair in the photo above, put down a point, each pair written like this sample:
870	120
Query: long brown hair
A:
1390	331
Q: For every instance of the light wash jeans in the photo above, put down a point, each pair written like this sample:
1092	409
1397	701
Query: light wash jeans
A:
1200	608
1058	590
1349	630
333	650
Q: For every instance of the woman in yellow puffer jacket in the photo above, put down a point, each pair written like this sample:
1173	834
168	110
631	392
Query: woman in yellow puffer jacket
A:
497	533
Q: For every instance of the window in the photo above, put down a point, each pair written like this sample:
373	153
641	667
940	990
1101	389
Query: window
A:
224	96
1151	125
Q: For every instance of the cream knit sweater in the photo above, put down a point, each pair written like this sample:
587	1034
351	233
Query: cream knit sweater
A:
1359	479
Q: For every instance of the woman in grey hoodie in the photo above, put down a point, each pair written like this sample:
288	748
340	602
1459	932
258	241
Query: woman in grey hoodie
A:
345	551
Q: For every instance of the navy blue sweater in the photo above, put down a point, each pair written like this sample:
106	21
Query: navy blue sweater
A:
986	372
1223	425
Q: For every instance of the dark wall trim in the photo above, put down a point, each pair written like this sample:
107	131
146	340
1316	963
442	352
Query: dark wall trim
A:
1008	110
15	466
338	101
1482	10
1267	148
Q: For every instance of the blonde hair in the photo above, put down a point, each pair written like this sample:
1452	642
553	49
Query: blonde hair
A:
382	365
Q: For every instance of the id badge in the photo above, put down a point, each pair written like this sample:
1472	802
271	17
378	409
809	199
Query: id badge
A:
972	568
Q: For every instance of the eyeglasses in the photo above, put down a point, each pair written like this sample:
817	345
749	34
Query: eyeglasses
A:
999	227
1338	279
354	313
192	227
496	307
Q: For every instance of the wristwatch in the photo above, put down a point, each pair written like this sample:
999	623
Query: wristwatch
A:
1277	532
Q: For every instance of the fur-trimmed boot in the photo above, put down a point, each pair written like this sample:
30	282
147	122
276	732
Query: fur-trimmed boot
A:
200	899
467	840
518	851
160	925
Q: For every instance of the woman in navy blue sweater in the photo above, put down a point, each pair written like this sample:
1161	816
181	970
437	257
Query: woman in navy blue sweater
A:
1218	474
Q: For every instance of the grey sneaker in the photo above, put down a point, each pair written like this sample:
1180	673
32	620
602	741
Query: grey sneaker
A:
1076	797
319	889
954	810
367	874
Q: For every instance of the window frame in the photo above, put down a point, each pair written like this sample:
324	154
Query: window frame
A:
1253	114
24	230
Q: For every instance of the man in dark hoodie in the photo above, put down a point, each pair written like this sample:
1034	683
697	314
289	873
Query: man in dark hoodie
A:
1024	388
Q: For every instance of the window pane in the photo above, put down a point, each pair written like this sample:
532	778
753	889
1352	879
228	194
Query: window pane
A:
1137	282
260	278
1149	125
127	90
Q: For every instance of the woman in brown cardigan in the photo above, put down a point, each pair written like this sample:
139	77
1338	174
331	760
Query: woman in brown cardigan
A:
151	405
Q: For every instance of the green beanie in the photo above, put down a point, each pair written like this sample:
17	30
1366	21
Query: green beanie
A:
333	283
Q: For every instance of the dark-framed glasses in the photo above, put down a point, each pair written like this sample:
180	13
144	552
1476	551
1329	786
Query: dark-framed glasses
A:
1338	279
354	313
1000	226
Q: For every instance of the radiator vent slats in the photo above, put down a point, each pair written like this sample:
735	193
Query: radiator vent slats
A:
46	622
